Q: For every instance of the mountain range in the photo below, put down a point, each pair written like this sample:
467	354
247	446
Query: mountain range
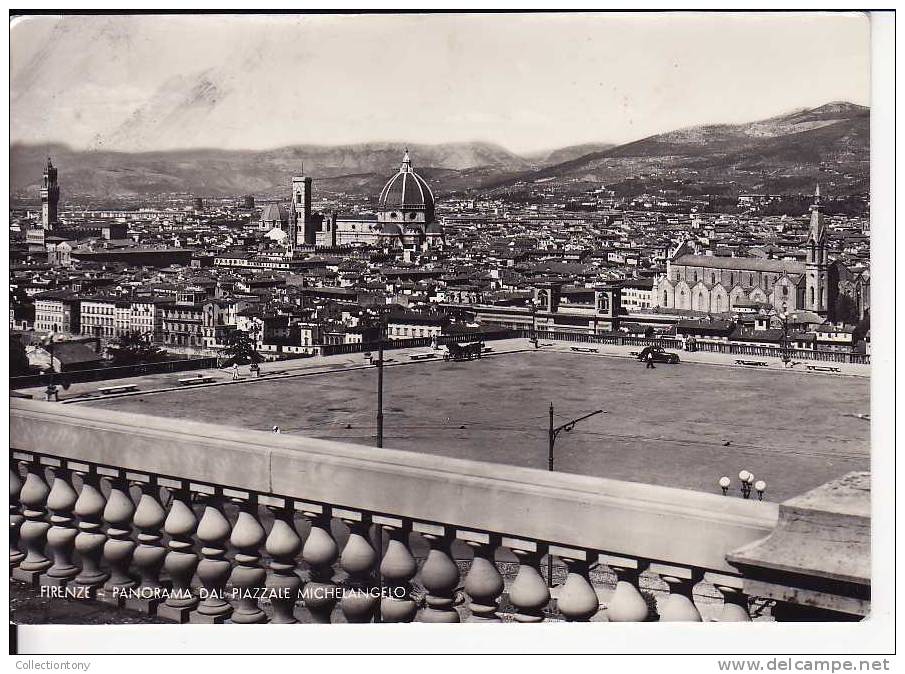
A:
783	154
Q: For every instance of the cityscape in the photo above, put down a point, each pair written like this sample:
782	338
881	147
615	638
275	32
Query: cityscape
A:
442	381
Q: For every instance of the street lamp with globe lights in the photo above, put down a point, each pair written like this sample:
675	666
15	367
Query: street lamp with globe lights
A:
760	487
724	483
746	483
746	478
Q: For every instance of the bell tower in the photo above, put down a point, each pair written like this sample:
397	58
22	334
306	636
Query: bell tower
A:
816	287
301	230
50	196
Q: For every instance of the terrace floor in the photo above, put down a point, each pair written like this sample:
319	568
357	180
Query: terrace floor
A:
677	425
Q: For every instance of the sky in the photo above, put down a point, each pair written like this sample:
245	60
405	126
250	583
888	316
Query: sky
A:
526	82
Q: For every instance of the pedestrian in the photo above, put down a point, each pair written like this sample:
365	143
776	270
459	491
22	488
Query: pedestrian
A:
650	361
235	371
276	429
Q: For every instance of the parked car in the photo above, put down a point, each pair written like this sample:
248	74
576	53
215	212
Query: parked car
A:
660	355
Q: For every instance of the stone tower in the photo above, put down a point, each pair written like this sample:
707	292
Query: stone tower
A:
301	226
816	296
608	303
50	196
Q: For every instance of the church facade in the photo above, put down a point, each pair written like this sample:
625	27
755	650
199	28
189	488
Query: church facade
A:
712	284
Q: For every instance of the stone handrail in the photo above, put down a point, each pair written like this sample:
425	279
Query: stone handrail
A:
733	348
679	536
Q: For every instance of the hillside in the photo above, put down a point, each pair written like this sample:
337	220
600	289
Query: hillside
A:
564	154
355	168
830	143
783	154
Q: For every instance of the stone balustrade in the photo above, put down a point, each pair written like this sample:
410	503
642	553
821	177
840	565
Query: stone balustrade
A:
203	523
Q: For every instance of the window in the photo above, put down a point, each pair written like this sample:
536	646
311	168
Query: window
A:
811	296
713	279
696	277
750	280
665	298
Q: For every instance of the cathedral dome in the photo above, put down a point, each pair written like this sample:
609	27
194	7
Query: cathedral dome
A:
406	197
274	213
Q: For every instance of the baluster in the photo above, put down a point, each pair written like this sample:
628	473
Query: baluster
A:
248	576
358	559
119	548
213	569
16	554
397	568
626	603
33	532
440	577
528	592
150	554
180	561
89	542
483	582
283	544
735	601
679	605
320	552
577	600
62	532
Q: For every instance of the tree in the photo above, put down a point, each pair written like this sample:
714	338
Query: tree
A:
18	360
241	349
133	348
846	311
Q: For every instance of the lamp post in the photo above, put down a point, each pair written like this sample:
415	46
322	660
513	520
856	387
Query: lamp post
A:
533	339
380	382
377	531
568	426
784	318
724	483
553	433
51	390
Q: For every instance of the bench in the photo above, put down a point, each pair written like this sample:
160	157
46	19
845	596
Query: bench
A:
191	381
822	368
754	363
583	349
125	388
422	356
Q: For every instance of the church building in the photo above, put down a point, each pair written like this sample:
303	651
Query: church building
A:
405	219
712	284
